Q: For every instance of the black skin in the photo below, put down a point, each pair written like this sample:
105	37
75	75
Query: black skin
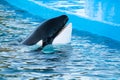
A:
47	31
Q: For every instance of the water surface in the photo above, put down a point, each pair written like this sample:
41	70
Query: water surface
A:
88	57
100	10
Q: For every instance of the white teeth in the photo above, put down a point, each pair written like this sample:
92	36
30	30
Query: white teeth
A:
64	36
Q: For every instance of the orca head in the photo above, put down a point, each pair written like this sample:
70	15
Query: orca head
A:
62	20
47	31
58	24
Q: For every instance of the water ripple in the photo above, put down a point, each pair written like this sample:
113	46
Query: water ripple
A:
88	57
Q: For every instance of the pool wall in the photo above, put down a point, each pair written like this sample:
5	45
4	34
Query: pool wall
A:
80	23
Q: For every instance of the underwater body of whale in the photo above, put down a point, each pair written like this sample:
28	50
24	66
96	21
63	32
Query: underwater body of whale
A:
48	31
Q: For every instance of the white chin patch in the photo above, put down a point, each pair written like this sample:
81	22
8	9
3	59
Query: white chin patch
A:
64	36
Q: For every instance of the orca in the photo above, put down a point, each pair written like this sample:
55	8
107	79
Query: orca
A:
47	31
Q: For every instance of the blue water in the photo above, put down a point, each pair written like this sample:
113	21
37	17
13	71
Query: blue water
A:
100	10
88	57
